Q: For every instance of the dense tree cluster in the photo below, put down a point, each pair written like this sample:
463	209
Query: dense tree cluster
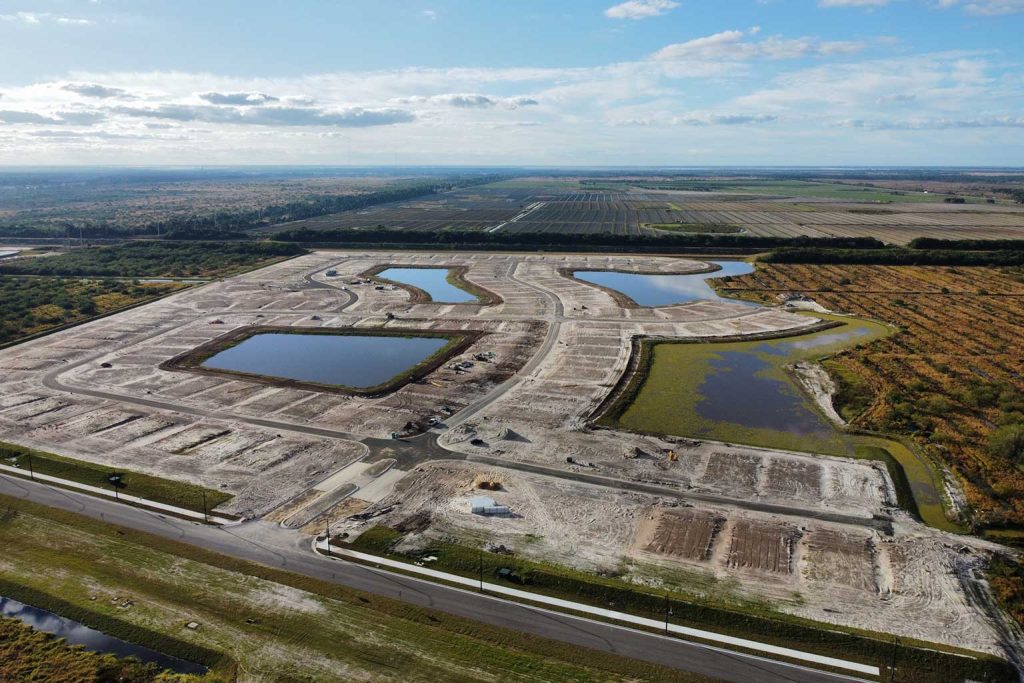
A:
221	224
967	245
478	239
895	256
155	259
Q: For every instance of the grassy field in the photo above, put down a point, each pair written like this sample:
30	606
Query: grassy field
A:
950	382
32	305
156	489
29	655
277	626
915	661
156	259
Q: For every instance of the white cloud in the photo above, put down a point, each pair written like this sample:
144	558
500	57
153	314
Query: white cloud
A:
238	98
935	124
733	46
430	14
640	9
469	101
701	119
38	18
94	90
986	8
351	117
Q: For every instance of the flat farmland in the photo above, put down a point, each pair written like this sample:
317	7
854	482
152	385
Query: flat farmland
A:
637	207
949	380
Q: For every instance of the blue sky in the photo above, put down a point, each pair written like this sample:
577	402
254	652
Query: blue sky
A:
644	82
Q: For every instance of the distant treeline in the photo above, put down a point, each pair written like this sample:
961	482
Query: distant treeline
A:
155	259
895	256
535	240
230	224
967	245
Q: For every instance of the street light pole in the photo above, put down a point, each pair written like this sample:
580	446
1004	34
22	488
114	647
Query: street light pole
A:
328	535
31	472
481	570
206	517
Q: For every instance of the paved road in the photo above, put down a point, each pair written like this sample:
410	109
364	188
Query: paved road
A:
270	545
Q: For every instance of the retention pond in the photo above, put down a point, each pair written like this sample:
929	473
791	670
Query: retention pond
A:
436	282
648	289
75	633
357	361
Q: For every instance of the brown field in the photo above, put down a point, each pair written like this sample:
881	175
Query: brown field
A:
844	557
948	379
764	546
687	534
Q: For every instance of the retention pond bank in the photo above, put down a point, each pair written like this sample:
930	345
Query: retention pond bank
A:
75	633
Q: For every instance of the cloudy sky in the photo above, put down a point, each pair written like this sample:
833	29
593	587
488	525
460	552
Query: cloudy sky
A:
643	82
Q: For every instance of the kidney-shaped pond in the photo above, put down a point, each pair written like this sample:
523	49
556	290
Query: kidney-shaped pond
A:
433	281
357	361
647	289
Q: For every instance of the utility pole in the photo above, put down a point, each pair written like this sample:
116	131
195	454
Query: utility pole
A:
668	611
328	535
892	664
31	472
206	517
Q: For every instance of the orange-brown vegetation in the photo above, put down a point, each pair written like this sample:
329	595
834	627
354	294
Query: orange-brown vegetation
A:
951	377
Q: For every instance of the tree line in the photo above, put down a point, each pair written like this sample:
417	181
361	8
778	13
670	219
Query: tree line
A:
481	239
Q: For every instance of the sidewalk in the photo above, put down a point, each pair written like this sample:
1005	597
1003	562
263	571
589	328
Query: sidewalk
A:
108	493
709	636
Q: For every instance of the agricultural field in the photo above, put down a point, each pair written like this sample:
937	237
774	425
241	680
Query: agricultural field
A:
633	206
950	380
30	305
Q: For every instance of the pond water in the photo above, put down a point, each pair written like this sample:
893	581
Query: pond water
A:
348	360
739	388
741	392
433	281
95	641
665	290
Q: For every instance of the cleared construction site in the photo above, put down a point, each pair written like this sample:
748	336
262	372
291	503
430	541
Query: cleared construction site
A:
507	414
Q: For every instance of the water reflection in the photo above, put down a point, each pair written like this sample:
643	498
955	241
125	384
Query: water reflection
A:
739	388
357	361
433	281
75	633
665	290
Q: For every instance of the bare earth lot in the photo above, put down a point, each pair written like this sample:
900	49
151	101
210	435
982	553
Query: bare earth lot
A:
820	537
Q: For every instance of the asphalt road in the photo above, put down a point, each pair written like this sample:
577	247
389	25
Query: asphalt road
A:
270	545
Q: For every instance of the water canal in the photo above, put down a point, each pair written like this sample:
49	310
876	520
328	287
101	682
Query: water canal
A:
75	633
